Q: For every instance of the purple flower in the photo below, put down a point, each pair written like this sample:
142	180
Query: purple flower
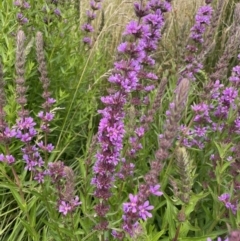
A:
135	29
200	131
141	10
95	6
229	95
51	100
48	116
64	208
154	20
17	3
24	20
48	148
87	27
57	12
237	125
202	18
9	133
39	177
143	210
131	206
9	159
75	202
149	88
19	16
225	198
25	123
26	5
155	190
91	15
164	6
140	131
2	157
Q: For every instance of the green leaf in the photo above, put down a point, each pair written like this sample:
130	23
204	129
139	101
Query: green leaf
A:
170	217
15	192
31	231
193	201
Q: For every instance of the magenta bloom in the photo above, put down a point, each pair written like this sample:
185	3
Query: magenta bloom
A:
8	159
132	206
143	210
225	198
155	190
64	208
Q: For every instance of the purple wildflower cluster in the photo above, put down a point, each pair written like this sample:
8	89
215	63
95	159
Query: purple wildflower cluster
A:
212	117
152	18
6	136
25	131
225	198
143	37
219	115
34	141
202	19
91	15
23	6
137	208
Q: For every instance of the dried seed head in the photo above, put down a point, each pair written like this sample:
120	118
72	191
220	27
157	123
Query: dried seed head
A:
68	193
186	172
20	58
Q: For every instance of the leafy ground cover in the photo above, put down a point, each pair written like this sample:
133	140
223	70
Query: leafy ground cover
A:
119	120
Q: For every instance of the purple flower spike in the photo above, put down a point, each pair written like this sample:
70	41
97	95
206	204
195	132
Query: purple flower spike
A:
202	18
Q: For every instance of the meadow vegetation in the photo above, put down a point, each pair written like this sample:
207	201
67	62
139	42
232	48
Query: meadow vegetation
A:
119	120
